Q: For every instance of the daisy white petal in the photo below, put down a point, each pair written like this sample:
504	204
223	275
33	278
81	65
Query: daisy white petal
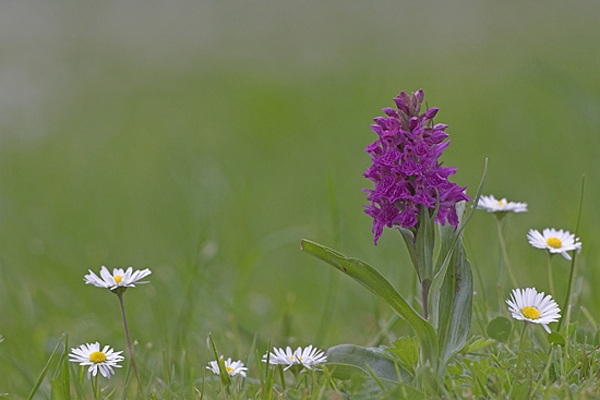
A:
554	241
310	357
233	367
307	357
98	360
282	357
492	205
529	305
118	279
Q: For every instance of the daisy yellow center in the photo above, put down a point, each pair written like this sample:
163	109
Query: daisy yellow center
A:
291	358
97	357
118	279
530	312
500	203
554	242
229	369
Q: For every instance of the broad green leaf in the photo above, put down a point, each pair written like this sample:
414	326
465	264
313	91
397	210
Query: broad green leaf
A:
365	358
425	243
556	338
406	350
451	291
369	386
409	239
520	390
455	305
477	344
451	298
372	280
499	329
455	369
448	241
441	272
344	371
406	392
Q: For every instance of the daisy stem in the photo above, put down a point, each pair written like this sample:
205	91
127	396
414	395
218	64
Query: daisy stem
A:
505	253
521	355
281	377
95	387
131	354
567	303
550	276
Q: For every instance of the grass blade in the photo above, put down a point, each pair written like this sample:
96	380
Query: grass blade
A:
42	375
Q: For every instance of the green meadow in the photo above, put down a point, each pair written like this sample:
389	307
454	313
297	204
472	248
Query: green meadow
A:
205	140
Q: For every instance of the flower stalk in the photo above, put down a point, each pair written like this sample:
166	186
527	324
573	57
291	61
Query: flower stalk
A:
117	282
550	274
521	352
119	292
506	263
96	387
567	302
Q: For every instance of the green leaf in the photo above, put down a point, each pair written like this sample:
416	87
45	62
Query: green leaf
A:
424	246
477	344
448	236
556	338
61	382
77	380
451	291
447	255
365	359
369	386
409	239
344	371
372	280
223	374
406	350
42	375
499	329
455	305
57	391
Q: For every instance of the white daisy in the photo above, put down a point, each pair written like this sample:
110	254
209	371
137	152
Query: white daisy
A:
233	367
119	278
307	357
492	205
554	241
90	354
280	356
529	305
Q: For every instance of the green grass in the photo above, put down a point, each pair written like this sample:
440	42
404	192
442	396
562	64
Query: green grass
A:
206	142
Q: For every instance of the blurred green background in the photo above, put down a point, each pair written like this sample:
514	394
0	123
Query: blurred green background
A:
204	139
